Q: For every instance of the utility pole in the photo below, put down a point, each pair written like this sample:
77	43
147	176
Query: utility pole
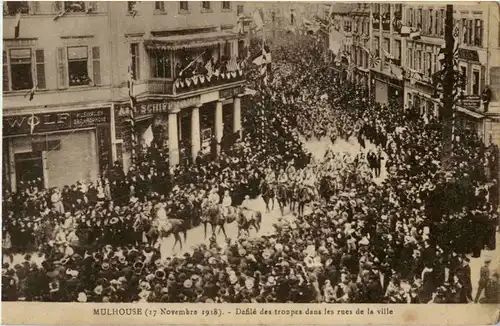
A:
448	85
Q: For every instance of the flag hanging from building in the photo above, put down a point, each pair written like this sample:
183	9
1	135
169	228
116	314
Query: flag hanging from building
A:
374	59
238	27
258	21
232	65
335	40
209	68
17	24
263	58
387	55
396	71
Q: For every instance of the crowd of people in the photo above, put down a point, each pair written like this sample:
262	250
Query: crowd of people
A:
404	239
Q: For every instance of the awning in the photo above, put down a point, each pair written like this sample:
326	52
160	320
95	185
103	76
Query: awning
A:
471	113
177	42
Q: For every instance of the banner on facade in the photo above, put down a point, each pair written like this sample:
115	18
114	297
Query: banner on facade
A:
47	122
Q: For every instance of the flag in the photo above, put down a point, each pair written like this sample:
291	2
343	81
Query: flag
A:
209	67
238	27
257	19
31	93
374	59
17	24
365	49
195	79
387	55
232	65
405	31
396	71
263	58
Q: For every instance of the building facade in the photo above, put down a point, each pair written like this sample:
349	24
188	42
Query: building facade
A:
66	98
406	62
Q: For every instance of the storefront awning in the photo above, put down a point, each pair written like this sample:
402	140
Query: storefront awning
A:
177	42
471	113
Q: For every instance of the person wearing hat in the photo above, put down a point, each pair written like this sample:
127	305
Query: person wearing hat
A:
226	202
484	276
464	276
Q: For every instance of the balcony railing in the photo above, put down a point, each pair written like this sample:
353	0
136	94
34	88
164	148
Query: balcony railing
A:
179	87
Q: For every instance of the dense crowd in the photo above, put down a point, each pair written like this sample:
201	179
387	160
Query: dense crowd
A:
402	239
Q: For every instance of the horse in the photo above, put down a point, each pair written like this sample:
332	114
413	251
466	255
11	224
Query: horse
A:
282	196
210	214
174	226
248	218
303	196
267	193
215	215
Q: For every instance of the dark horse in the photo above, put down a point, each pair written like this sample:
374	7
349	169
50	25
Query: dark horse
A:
267	193
177	226
248	218
282	196
303	196
216	216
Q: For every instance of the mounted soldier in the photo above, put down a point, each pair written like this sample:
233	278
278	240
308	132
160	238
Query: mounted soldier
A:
282	190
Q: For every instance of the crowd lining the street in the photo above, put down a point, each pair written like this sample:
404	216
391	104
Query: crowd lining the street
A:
404	238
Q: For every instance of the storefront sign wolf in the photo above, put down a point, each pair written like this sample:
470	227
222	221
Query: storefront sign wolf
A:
46	122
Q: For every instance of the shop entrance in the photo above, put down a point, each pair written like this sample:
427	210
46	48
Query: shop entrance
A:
29	167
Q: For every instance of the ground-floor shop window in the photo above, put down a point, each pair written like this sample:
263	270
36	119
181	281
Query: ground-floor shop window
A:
29	169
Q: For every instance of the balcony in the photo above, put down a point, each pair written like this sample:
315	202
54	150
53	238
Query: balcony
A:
181	88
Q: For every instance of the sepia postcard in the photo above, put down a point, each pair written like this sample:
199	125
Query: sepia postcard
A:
233	162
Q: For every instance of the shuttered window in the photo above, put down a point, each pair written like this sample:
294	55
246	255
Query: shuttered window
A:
40	69
136	64
5	83
96	65
62	76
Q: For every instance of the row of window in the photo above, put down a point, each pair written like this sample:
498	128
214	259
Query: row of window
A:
422	61
206	6
76	66
11	8
394	51
427	64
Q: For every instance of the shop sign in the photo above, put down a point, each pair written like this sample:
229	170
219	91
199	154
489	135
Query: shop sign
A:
46	122
471	101
151	108
231	92
143	109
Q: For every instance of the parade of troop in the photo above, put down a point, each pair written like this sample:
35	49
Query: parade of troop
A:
374	220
